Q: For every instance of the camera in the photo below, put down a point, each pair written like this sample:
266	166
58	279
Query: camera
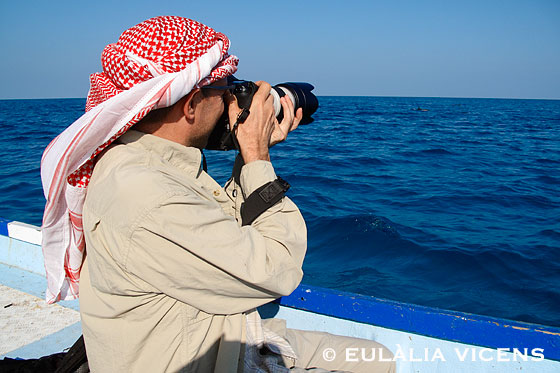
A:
299	93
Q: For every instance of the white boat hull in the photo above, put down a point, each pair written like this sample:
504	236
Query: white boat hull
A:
422	339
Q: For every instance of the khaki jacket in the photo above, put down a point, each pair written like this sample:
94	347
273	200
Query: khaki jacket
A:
170	274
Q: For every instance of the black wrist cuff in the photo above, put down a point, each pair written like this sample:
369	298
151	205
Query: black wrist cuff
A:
262	199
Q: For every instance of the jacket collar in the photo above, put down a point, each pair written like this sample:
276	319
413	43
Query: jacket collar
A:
183	157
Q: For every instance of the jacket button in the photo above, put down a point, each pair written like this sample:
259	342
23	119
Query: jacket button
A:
216	193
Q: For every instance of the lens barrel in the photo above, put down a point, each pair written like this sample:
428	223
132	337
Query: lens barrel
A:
301	96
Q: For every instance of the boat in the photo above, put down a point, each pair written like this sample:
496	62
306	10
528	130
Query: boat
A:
422	339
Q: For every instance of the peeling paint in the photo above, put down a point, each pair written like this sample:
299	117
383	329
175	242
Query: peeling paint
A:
547	332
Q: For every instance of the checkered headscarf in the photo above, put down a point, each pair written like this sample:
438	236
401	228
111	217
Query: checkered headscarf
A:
152	65
152	48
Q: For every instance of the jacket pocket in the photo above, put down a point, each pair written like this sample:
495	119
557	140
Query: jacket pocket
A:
90	222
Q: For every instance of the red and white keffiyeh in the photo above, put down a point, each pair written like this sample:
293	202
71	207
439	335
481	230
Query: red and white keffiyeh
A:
153	65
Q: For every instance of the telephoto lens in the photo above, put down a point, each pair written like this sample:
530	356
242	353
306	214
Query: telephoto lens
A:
299	93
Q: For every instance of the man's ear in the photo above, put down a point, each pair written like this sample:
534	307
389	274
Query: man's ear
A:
189	106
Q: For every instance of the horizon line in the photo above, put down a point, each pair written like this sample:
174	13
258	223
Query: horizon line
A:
378	96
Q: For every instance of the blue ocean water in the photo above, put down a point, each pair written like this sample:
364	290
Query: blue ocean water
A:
457	206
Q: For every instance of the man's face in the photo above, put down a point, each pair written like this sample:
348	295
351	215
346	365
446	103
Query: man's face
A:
210	110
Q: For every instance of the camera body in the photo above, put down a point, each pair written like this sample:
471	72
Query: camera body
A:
300	94
244	90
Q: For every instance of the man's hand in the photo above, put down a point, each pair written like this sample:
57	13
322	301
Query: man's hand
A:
261	129
289	122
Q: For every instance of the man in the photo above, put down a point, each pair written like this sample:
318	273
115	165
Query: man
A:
171	278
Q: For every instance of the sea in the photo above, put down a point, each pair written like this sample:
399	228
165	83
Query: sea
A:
443	202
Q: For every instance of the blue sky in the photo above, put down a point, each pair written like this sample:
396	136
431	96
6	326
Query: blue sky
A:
448	48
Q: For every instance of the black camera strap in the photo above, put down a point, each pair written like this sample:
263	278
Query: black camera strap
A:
265	196
204	164
262	199
241	117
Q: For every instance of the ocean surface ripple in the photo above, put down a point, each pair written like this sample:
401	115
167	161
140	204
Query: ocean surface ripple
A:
450	203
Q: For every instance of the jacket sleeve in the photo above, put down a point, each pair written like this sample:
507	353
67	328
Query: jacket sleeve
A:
188	248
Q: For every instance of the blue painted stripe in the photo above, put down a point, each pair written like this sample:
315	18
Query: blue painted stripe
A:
432	322
30	283
50	344
4	226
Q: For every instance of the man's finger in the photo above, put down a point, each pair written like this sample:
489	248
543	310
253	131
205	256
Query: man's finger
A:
263	92
297	119
288	109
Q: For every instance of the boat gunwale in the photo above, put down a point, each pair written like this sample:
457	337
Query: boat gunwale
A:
456	326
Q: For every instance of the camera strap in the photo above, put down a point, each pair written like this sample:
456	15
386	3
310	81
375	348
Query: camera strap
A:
241	117
262	199
204	163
